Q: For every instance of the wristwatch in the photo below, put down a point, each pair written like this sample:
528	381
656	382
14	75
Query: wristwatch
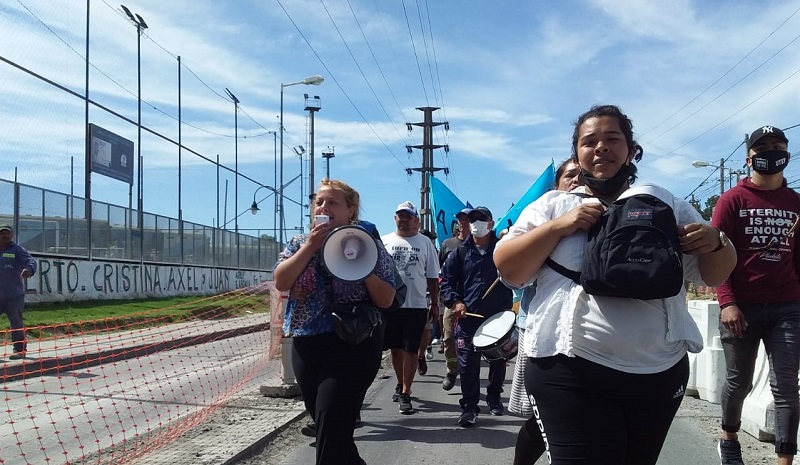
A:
723	241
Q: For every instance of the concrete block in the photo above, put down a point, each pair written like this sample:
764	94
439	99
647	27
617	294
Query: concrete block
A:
280	390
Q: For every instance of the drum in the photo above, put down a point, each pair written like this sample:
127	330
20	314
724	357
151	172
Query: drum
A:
497	337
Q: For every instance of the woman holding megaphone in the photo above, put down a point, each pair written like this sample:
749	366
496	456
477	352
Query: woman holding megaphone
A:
333	375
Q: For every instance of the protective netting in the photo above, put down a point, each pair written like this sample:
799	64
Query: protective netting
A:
113	390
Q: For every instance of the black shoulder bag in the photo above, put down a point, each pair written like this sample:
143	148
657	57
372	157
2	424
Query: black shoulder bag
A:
354	322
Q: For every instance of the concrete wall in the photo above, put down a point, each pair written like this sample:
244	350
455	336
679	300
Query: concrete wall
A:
59	279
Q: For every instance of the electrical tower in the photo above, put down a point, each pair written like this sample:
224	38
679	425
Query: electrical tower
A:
427	147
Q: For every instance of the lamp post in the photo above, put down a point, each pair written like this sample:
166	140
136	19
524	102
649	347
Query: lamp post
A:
312	105
141	25
327	156
300	151
235	168
313	81
721	167
254	207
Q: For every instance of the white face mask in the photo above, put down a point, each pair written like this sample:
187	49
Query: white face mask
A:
479	228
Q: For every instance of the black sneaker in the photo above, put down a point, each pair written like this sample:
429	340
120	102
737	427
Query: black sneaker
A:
405	405
468	418
309	430
449	381
18	355
730	452
422	366
397	391
429	353
495	407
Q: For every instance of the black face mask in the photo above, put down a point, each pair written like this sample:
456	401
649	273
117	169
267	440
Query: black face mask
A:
608	186
770	161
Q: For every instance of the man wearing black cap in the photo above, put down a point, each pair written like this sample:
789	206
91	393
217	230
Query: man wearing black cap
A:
448	321
467	277
760	301
16	265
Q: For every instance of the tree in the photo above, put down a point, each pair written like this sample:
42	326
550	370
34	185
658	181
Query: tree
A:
711	202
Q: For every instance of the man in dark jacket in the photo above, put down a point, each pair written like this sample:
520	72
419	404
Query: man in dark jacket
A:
16	265
468	273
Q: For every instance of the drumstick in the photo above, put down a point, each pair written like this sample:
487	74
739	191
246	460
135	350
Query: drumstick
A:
474	314
491	287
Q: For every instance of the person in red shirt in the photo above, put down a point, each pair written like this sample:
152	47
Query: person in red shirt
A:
760	301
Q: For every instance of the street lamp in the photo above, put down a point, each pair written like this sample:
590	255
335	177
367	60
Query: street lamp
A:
138	21
254	208
720	167
235	167
313	81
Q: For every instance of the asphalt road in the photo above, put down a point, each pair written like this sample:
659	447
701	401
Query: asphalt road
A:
431	436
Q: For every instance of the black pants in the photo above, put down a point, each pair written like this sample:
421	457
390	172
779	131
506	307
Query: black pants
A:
334	378
591	414
778	325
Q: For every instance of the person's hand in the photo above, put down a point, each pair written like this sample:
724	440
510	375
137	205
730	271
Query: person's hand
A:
26	273
459	310
698	238
583	217
317	236
433	312
733	320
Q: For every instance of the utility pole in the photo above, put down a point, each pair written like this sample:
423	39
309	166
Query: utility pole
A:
427	147
721	176
327	156
312	105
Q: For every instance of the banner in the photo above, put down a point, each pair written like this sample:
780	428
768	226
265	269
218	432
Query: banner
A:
110	154
546	182
445	207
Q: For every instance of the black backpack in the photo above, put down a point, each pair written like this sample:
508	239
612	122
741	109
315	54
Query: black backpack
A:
633	251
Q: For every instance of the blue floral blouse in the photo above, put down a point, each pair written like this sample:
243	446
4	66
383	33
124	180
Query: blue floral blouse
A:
308	312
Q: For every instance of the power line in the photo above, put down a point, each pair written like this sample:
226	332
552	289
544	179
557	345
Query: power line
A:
718	79
336	81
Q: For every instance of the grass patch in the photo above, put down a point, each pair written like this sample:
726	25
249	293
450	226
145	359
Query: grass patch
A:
54	319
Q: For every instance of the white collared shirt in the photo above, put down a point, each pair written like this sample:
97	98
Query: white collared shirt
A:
630	335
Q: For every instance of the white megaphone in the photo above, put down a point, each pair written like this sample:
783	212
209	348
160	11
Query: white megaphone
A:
349	253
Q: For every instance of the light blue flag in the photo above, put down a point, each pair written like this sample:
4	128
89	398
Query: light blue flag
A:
545	183
445	208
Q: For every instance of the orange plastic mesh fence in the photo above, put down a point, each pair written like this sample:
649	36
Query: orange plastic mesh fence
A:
113	390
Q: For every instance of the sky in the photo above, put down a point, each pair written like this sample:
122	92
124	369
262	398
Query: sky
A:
509	79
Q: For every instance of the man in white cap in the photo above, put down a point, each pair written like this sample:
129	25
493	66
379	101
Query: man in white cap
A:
416	260
16	265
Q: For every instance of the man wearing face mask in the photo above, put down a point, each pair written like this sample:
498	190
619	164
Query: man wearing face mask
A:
467	275
761	298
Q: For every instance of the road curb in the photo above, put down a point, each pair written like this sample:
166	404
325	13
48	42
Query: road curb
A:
53	365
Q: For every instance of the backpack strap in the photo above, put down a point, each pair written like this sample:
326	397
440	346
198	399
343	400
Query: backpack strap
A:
563	271
560	269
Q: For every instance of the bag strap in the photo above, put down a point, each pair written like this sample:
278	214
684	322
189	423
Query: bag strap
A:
563	271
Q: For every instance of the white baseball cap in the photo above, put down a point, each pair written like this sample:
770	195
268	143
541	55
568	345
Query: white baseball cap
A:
407	207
